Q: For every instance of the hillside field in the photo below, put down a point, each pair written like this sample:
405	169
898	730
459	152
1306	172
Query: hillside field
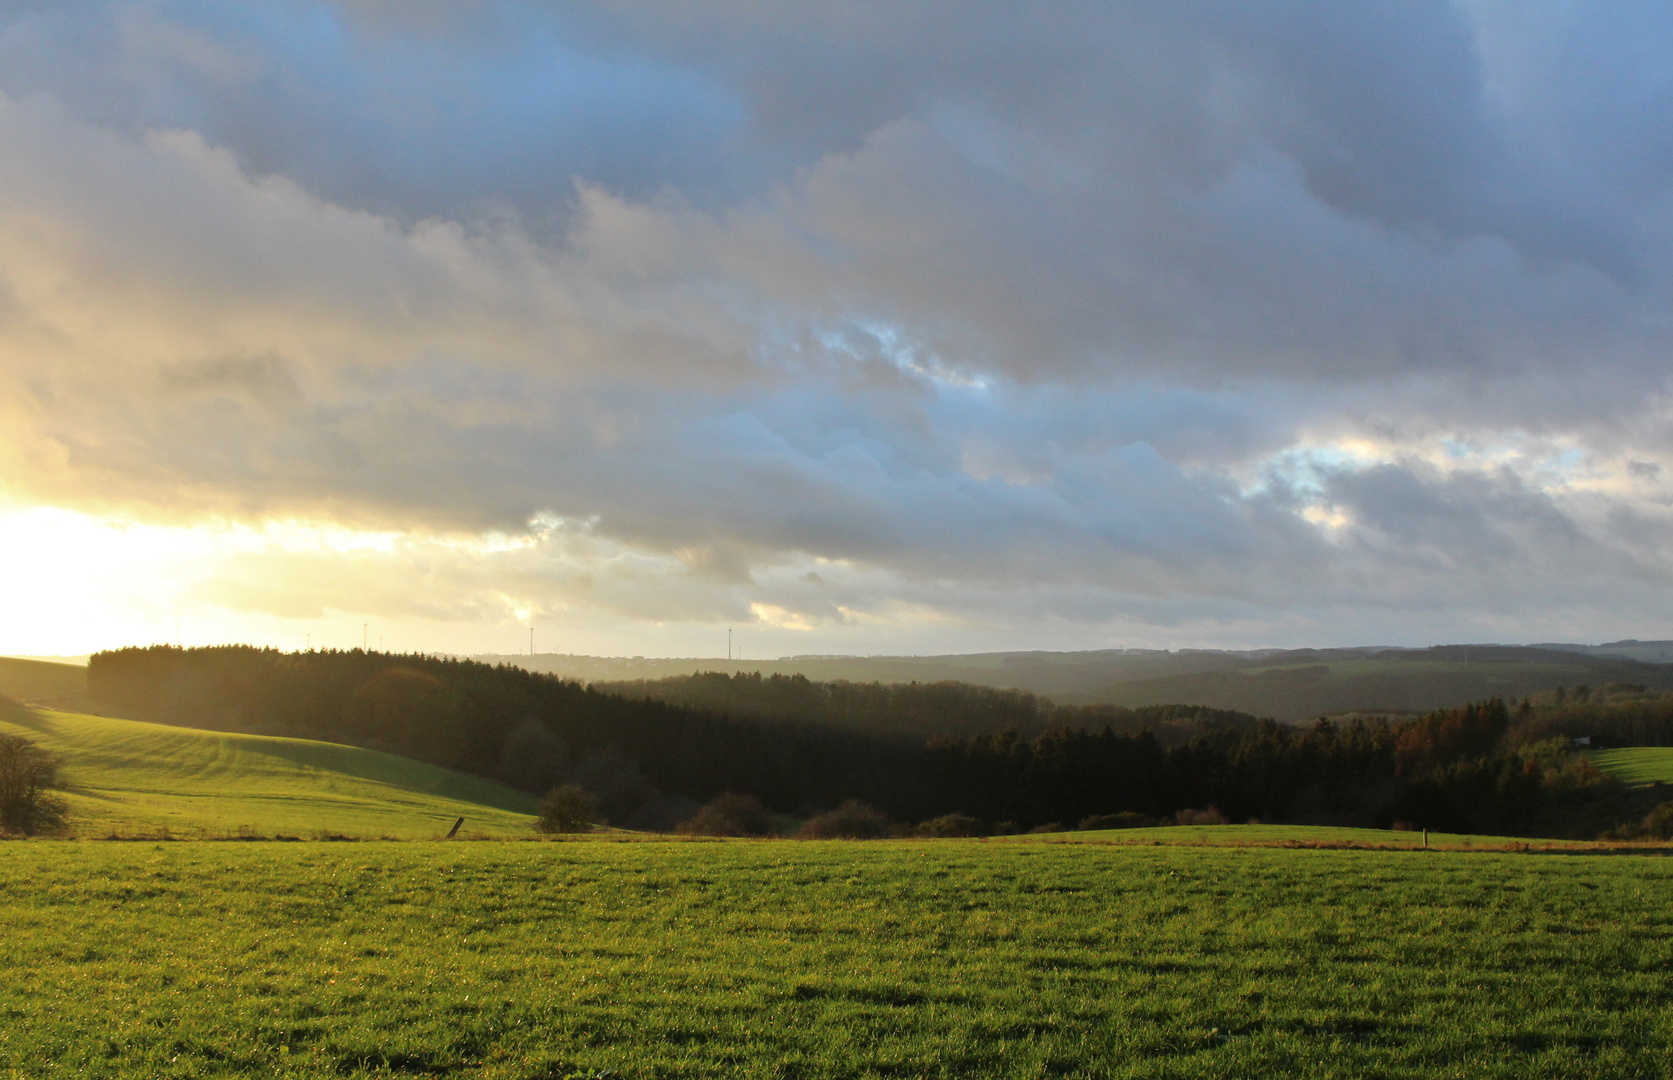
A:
952	958
129	777
41	680
1637	764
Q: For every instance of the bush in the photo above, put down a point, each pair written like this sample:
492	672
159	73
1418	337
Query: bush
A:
1209	815
1658	822
948	825
1055	826
27	775
567	809
729	814
1127	819
853	820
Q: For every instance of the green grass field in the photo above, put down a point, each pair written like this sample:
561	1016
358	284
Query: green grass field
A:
128	777
1637	764
829	959
1321	836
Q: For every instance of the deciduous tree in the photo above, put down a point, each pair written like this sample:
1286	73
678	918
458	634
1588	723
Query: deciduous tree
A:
27	776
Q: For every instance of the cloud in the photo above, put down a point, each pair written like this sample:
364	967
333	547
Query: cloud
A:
839	317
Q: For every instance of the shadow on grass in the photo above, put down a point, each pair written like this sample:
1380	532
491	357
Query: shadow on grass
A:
16	712
348	762
393	770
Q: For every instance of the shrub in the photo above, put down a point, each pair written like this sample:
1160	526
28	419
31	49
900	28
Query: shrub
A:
1056	826
27	775
853	820
1658	822
1127	819
567	809
729	814
1209	815
951	825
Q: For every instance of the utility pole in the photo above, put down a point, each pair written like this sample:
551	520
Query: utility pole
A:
531	641
363	627
728	643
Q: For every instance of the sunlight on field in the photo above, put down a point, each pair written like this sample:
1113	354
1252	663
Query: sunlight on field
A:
1637	764
124	776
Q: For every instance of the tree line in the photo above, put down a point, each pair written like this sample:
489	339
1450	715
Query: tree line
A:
921	710
1613	714
650	763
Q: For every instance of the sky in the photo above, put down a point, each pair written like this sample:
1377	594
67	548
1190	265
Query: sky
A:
850	327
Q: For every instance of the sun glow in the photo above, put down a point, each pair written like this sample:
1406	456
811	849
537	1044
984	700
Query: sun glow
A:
78	582
81	582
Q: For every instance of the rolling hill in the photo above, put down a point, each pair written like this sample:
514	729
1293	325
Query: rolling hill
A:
1299	685
1294	685
127	777
41	680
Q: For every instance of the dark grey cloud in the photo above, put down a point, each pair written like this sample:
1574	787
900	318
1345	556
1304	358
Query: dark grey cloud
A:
1200	313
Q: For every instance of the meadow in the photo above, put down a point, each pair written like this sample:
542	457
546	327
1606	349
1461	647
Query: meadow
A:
125	777
1637	765
38	680
829	959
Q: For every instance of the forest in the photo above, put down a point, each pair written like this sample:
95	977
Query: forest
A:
924	710
652	755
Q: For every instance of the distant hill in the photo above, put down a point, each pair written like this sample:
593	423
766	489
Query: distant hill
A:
128	777
1296	686
1292	685
1046	673
1650	652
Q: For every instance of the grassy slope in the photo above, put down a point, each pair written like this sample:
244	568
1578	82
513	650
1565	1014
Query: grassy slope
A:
778	959
128	776
1637	764
37	679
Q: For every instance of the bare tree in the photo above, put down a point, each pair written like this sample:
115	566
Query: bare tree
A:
27	776
730	814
